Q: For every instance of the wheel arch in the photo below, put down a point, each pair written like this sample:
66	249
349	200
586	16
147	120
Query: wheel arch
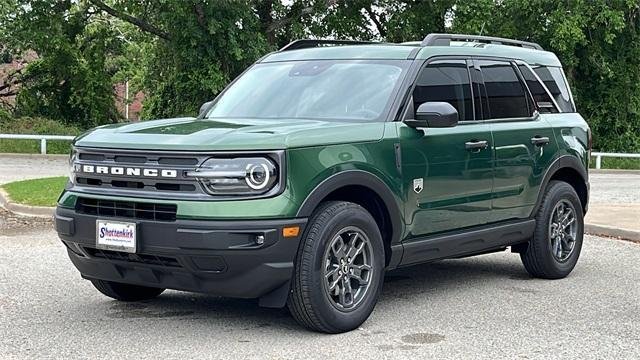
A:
369	191
569	169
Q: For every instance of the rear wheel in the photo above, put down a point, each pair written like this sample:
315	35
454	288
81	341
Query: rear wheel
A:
126	292
339	269
554	250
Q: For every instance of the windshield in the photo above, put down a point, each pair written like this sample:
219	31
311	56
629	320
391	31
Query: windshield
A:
326	89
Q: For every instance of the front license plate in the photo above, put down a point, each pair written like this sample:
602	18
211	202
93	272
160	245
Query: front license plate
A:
115	235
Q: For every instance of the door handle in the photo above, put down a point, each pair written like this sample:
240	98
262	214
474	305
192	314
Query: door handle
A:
476	145
539	140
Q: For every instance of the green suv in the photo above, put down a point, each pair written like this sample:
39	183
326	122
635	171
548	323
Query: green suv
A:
326	164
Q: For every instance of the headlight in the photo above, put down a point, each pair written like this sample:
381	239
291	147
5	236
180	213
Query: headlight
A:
237	176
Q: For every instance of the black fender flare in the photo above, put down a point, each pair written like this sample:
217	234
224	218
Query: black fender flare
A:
361	178
564	161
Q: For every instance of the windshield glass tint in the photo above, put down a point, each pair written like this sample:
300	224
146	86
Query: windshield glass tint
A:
329	90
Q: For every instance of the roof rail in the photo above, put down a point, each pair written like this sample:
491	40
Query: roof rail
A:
445	40
311	43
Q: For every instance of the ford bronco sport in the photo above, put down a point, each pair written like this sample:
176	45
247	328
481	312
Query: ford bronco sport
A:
329	162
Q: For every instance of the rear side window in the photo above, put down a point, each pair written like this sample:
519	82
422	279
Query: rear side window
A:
506	94
540	94
553	79
448	81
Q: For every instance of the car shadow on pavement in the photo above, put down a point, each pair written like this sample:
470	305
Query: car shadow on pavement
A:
416	283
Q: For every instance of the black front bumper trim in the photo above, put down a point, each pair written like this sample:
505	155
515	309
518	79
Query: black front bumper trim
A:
216	257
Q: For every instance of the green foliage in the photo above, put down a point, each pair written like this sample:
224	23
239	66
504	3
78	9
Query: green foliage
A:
36	192
616	163
207	47
69	79
39	126
183	53
597	41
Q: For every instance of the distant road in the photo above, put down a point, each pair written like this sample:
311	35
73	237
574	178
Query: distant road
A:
20	167
615	188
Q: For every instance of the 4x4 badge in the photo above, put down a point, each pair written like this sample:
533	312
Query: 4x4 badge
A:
418	185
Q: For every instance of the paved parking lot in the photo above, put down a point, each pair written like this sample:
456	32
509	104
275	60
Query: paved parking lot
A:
615	187
483	307
20	167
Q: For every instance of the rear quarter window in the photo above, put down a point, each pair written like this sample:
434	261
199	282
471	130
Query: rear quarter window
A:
553	78
540	95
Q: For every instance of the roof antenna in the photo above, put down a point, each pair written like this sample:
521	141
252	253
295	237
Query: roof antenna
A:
482	29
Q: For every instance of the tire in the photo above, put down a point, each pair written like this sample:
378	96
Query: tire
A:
549	254
126	292
312	301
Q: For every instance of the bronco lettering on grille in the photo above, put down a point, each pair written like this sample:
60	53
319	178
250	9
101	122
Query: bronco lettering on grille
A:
125	171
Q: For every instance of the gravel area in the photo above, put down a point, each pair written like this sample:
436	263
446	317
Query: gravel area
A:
11	224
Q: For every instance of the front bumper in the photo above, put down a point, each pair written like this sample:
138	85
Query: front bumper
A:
214	257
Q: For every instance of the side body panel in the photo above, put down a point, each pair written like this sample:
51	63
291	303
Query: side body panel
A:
457	182
572	136
520	165
310	168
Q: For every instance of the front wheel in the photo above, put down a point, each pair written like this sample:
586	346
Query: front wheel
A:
338	270
554	250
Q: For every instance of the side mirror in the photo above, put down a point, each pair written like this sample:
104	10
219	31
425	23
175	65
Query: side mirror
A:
204	107
434	114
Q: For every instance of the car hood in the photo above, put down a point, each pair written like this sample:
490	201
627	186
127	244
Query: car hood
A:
229	134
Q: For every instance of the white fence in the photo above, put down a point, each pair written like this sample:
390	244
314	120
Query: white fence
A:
43	139
600	155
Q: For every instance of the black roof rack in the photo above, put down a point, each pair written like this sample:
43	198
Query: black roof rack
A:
311	43
445	40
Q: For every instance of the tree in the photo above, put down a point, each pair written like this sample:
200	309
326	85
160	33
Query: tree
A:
193	49
183	53
69	79
597	41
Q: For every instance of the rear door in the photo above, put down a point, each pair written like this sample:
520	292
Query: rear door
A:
523	140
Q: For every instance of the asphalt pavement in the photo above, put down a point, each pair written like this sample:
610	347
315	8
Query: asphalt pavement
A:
482	307
14	167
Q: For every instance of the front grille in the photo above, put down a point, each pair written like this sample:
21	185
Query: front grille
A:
135	258
103	182
127	209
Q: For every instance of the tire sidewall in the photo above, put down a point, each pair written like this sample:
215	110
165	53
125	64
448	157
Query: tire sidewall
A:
353	215
560	191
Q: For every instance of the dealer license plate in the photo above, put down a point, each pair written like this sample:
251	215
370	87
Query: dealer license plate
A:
116	235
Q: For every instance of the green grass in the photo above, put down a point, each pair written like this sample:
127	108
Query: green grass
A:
36	192
38	126
616	163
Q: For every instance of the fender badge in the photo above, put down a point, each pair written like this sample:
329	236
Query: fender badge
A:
418	185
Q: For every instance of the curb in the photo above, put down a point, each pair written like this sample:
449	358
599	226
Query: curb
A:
605	230
614	171
24	210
